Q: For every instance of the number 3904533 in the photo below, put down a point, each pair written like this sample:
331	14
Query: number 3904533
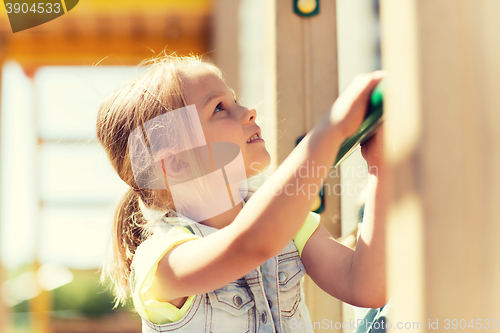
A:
464	324
36	8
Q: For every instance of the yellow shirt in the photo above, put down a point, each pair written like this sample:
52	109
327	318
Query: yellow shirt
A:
150	252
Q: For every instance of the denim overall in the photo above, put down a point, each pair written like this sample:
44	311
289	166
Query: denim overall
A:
268	299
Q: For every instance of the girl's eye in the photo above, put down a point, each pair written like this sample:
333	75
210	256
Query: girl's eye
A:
218	108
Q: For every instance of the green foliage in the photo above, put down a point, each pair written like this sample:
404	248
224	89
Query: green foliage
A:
84	295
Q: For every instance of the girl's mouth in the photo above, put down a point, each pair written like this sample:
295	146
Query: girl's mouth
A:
255	138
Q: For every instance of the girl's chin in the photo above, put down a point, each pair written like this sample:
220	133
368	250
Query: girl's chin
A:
256	169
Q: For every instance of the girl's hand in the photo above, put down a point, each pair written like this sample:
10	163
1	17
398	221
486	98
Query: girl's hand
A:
348	111
372	150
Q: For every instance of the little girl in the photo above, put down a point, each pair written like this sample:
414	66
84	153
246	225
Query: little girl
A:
238	270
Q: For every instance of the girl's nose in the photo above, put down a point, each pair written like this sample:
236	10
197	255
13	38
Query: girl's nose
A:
250	114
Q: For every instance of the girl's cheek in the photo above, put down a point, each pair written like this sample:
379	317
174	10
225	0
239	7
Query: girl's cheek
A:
224	130
228	131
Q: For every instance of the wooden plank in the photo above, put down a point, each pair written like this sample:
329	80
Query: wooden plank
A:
303	54
442	105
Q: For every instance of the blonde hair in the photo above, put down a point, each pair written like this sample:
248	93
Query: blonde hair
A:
155	91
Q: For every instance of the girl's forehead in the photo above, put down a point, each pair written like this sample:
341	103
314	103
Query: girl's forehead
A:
200	75
200	81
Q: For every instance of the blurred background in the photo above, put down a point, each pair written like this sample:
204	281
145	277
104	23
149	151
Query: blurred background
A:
57	187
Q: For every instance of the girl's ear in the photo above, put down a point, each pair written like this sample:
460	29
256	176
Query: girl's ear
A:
161	157
172	164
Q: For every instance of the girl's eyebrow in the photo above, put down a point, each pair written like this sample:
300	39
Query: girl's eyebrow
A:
213	97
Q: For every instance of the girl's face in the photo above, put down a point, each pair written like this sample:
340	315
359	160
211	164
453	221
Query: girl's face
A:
223	119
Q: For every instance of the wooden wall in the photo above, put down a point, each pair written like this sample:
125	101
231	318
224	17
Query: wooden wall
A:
442	137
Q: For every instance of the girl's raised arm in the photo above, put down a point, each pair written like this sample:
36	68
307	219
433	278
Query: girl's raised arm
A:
268	222
355	277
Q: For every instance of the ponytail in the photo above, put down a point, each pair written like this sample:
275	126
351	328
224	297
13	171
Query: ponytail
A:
128	232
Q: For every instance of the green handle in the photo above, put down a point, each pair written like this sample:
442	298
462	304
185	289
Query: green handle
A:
373	119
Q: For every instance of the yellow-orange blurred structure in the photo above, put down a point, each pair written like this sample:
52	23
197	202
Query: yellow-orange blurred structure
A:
110	32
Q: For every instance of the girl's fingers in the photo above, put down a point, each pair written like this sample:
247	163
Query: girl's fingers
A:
350	107
363	84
